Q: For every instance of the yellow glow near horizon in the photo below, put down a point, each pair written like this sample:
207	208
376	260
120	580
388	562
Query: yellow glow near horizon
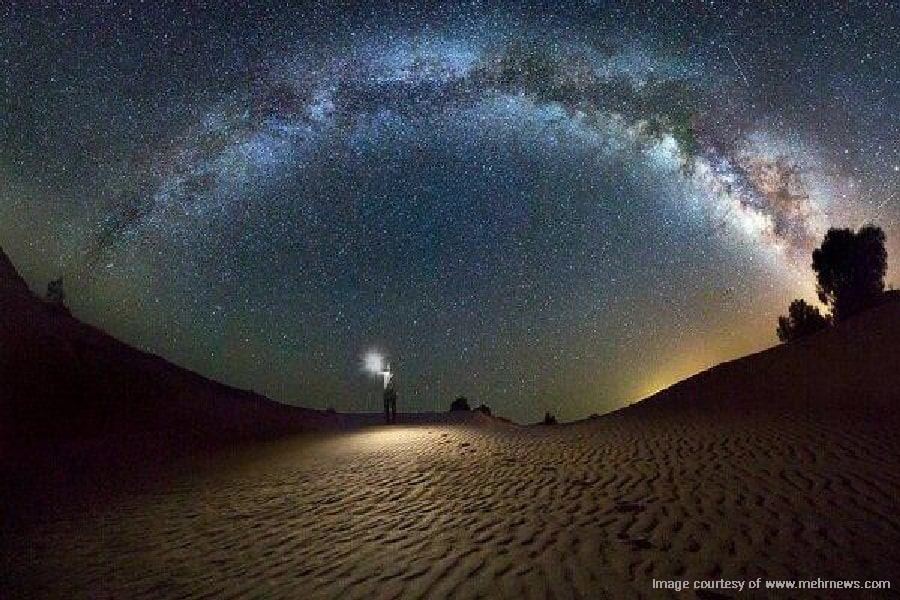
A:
690	363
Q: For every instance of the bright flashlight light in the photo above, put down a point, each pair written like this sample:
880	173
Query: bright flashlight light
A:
374	363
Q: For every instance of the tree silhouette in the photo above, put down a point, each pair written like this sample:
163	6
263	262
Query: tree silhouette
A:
803	319
850	269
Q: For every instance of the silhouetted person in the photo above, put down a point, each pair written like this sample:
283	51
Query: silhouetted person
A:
390	403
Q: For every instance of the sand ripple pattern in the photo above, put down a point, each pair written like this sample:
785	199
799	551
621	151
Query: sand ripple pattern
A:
592	510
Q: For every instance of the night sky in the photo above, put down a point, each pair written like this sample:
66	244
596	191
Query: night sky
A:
541	207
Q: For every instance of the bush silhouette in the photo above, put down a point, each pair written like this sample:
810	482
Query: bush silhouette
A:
802	320
549	419
461	403
484	408
850	268
55	293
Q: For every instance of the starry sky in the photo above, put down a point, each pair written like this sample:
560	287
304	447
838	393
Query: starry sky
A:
542	206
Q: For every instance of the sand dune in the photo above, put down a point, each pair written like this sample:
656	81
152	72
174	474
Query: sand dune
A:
595	510
66	386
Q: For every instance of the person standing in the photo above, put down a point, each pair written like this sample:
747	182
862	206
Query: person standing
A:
390	397
390	403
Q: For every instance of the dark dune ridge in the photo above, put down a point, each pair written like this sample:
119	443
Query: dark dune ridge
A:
83	414
63	380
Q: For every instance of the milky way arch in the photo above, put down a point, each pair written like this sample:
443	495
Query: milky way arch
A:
625	97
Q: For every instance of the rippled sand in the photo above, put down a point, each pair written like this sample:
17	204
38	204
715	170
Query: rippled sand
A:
597	509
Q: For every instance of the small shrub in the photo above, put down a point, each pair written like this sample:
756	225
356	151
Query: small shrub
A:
460	404
55	292
802	320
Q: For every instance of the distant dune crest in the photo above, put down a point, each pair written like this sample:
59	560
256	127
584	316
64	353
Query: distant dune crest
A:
62	381
9	277
852	365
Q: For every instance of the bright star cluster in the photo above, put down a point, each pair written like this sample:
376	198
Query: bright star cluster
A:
558	206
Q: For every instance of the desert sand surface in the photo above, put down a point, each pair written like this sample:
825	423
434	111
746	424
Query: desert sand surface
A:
596	509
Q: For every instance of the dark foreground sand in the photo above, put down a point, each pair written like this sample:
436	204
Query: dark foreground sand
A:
594	510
